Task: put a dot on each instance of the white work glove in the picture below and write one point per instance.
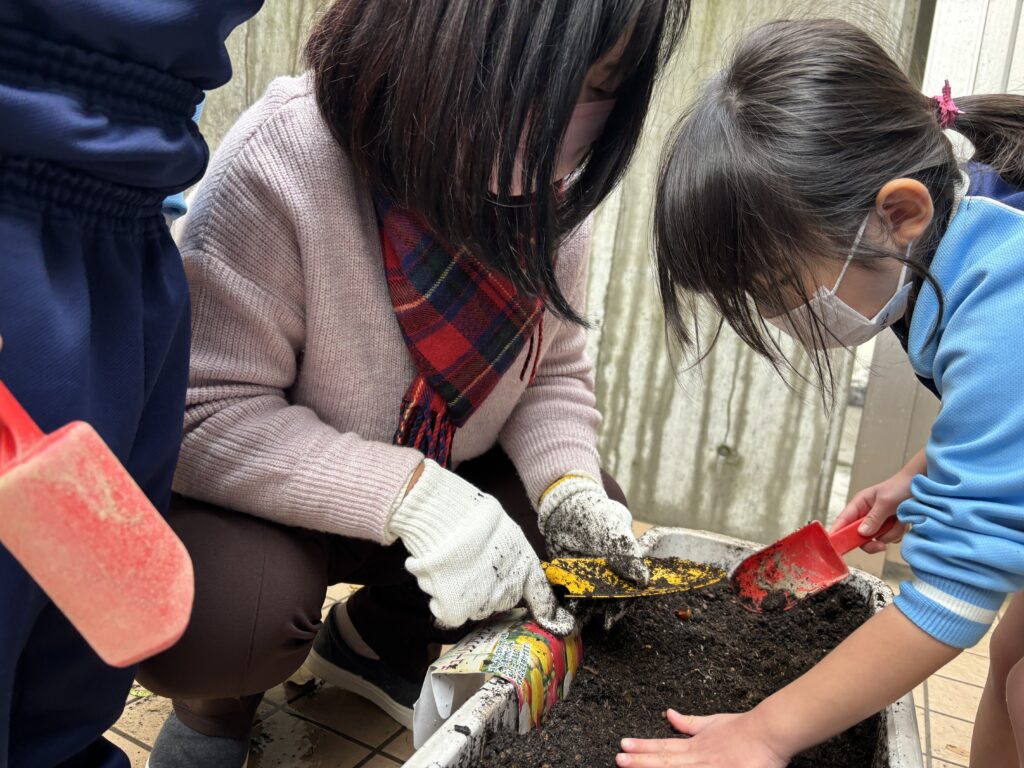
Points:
(468, 555)
(578, 519)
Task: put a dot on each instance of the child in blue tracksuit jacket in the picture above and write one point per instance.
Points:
(97, 99)
(812, 188)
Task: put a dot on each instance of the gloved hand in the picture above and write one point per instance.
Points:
(579, 520)
(468, 555)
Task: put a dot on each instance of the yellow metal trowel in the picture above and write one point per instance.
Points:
(591, 578)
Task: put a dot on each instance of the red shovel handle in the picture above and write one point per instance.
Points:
(17, 430)
(847, 539)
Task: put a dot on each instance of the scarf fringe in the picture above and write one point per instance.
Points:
(425, 424)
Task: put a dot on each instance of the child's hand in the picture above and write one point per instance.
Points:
(880, 502)
(718, 741)
(877, 504)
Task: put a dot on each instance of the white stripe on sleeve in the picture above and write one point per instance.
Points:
(960, 607)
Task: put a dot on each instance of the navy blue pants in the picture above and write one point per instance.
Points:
(94, 317)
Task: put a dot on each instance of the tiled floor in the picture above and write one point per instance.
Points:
(311, 726)
(320, 726)
(297, 726)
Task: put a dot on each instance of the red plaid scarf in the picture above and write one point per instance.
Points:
(463, 323)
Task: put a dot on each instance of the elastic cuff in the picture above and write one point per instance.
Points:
(574, 475)
(562, 490)
(389, 537)
(435, 508)
(956, 614)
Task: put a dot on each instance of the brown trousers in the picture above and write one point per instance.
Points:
(260, 587)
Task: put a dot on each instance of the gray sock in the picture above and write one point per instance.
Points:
(178, 746)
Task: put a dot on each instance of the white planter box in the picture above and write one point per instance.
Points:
(459, 742)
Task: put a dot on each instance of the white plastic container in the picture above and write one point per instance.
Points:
(459, 742)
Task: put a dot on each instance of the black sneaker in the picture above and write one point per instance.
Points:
(334, 662)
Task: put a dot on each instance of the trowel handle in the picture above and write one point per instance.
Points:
(847, 539)
(17, 430)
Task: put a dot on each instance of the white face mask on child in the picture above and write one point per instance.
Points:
(844, 325)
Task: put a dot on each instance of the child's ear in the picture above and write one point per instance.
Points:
(905, 205)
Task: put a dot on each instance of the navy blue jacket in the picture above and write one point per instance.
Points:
(109, 87)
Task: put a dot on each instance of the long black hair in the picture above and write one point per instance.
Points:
(780, 160)
(426, 96)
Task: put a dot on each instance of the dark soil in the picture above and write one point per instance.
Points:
(774, 602)
(700, 653)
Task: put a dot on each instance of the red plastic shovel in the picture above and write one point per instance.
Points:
(802, 564)
(78, 523)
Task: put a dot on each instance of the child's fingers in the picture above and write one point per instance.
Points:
(873, 520)
(856, 508)
(895, 533)
(655, 760)
(691, 725)
(654, 746)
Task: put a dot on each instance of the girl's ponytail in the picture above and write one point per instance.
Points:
(994, 124)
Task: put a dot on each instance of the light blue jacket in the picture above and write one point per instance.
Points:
(174, 206)
(966, 547)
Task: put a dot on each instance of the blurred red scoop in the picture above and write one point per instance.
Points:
(802, 564)
(78, 523)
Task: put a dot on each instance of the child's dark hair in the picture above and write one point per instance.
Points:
(426, 95)
(780, 160)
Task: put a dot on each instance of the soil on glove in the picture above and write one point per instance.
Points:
(699, 653)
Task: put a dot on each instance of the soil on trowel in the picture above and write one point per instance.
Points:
(699, 653)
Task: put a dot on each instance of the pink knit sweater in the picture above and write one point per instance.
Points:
(298, 364)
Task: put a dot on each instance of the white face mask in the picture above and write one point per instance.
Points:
(844, 325)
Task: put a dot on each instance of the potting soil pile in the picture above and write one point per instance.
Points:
(699, 653)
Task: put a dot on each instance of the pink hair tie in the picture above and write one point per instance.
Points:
(947, 108)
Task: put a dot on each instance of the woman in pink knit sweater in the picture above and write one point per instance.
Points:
(389, 384)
